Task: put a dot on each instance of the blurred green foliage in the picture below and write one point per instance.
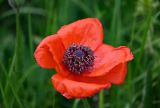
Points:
(24, 23)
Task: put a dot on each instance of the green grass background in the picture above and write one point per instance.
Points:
(24, 23)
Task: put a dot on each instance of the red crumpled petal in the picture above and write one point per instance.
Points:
(117, 74)
(44, 58)
(74, 89)
(87, 32)
(50, 52)
(107, 57)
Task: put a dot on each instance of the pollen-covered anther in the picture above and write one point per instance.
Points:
(78, 58)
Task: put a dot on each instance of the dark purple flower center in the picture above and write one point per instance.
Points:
(79, 53)
(78, 58)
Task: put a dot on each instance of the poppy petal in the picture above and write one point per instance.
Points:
(117, 74)
(47, 53)
(87, 32)
(74, 89)
(44, 58)
(107, 57)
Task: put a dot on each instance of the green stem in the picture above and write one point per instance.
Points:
(132, 31)
(30, 34)
(10, 73)
(18, 49)
(3, 96)
(85, 103)
(101, 99)
(75, 104)
(16, 95)
(16, 61)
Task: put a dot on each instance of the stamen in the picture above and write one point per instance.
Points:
(78, 58)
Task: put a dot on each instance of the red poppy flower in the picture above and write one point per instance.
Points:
(84, 64)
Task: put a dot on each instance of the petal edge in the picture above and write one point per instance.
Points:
(109, 57)
(73, 89)
(87, 31)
